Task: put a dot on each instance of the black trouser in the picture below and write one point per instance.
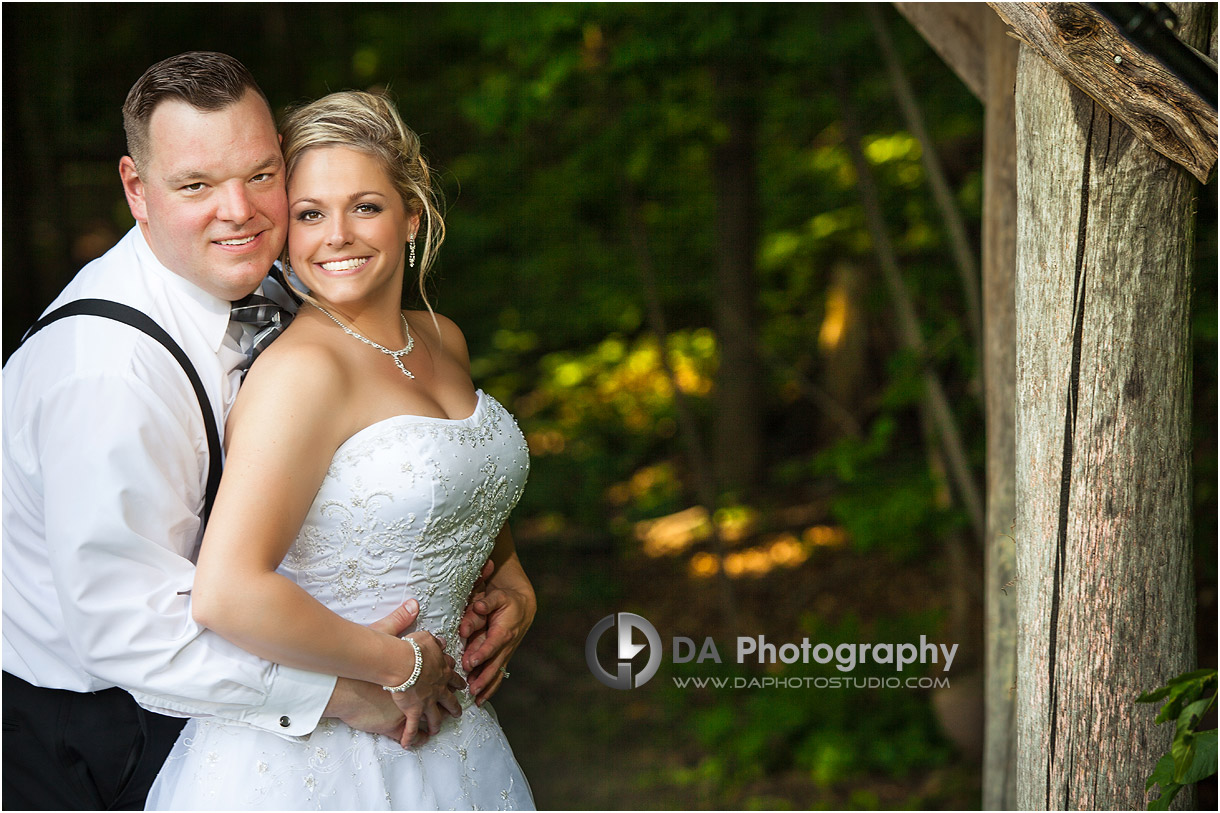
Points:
(79, 750)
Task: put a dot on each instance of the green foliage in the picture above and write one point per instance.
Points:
(835, 736)
(884, 495)
(595, 419)
(893, 508)
(1192, 756)
(558, 130)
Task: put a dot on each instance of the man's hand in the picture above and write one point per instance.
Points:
(367, 707)
(494, 624)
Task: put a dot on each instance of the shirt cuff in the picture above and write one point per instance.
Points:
(292, 708)
(295, 703)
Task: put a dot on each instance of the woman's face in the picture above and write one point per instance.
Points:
(348, 228)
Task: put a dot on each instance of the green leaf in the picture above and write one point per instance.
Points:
(1183, 689)
(1183, 751)
(1154, 695)
(1167, 793)
(1173, 772)
(1204, 763)
(1191, 715)
(1199, 675)
(1162, 773)
(1171, 710)
(1192, 756)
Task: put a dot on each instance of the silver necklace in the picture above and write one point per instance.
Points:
(394, 354)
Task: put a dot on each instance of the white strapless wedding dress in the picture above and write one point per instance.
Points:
(409, 508)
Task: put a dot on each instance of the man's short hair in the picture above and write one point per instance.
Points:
(206, 80)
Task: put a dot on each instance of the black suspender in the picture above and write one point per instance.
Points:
(141, 321)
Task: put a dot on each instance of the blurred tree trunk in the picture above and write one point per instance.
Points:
(942, 435)
(738, 444)
(934, 406)
(843, 342)
(1000, 380)
(1105, 592)
(705, 484)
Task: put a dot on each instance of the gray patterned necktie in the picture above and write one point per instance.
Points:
(267, 318)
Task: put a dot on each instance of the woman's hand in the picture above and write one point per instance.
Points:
(427, 702)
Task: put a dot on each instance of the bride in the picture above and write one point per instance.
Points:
(363, 467)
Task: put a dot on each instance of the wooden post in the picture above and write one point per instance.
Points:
(1105, 591)
(1000, 381)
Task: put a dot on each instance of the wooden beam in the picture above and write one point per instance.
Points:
(955, 31)
(1087, 50)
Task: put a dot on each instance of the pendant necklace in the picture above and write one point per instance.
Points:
(394, 354)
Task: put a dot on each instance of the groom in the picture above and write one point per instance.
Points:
(105, 466)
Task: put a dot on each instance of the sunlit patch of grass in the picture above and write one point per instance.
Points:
(825, 536)
(704, 565)
(671, 535)
(784, 550)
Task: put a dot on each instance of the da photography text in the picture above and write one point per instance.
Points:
(749, 649)
(846, 656)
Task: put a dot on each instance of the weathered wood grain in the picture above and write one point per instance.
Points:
(1105, 590)
(1134, 88)
(1000, 381)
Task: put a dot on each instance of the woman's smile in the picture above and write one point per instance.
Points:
(343, 267)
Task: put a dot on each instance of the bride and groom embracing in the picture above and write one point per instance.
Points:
(366, 483)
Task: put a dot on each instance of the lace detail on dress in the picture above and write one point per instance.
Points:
(409, 508)
(360, 550)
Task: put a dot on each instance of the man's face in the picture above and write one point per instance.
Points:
(211, 199)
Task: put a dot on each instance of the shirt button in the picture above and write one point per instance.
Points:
(285, 722)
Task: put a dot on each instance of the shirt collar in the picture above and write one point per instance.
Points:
(213, 313)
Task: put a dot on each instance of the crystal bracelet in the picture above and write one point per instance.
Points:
(419, 662)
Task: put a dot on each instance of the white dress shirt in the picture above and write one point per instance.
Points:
(105, 465)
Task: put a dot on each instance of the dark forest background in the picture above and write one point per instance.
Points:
(659, 256)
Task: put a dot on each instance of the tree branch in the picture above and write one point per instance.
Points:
(1087, 50)
(705, 485)
(935, 402)
(963, 252)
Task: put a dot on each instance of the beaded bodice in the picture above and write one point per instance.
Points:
(410, 508)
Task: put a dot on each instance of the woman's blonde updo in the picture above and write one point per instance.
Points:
(370, 123)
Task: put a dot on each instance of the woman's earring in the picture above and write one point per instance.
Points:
(411, 256)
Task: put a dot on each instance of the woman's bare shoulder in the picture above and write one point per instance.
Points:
(297, 356)
(296, 380)
(438, 326)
